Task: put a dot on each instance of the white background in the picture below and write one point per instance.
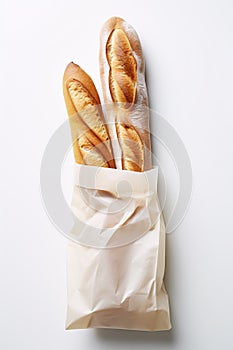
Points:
(188, 47)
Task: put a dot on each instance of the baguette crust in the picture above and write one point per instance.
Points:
(122, 73)
(123, 68)
(91, 142)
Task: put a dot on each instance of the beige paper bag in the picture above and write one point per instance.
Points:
(115, 271)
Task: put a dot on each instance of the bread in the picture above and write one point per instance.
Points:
(91, 142)
(122, 73)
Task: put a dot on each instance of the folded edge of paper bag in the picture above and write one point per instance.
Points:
(120, 287)
(112, 207)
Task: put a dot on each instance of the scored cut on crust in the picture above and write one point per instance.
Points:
(91, 141)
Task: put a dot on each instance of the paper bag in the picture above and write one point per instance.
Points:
(115, 264)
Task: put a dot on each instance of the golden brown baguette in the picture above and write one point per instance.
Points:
(91, 142)
(122, 73)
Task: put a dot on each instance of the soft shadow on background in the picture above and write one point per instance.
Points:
(124, 337)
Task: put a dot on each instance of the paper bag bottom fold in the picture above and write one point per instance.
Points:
(119, 288)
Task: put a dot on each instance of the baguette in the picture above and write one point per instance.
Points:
(122, 74)
(91, 142)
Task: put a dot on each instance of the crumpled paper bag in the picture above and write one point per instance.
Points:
(115, 263)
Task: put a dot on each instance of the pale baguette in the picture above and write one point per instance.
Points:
(122, 73)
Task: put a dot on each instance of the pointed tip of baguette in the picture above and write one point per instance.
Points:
(113, 22)
(71, 71)
(74, 71)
